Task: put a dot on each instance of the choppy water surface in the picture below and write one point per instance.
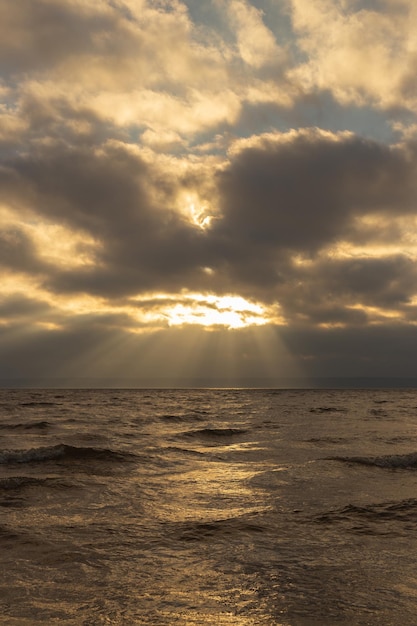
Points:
(243, 507)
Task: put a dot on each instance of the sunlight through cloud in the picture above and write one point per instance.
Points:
(206, 310)
(197, 212)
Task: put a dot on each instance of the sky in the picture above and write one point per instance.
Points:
(214, 189)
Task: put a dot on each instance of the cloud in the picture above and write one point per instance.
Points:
(91, 68)
(19, 307)
(377, 351)
(113, 197)
(301, 190)
(38, 37)
(277, 197)
(256, 43)
(349, 292)
(17, 251)
(360, 51)
(301, 214)
(155, 154)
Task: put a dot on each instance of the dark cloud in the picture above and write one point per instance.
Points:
(328, 290)
(17, 306)
(63, 121)
(121, 202)
(285, 196)
(385, 282)
(17, 251)
(39, 35)
(301, 194)
(380, 350)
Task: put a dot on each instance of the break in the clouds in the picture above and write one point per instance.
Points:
(220, 189)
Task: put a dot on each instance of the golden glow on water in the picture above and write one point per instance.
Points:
(206, 504)
(213, 490)
(198, 618)
(190, 496)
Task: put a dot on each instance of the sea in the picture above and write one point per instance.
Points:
(243, 507)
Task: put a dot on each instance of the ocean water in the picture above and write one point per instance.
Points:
(208, 507)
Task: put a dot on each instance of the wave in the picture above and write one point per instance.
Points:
(176, 449)
(329, 440)
(374, 518)
(8, 536)
(17, 483)
(390, 461)
(41, 425)
(214, 433)
(235, 526)
(191, 416)
(378, 412)
(62, 452)
(327, 409)
(13, 483)
(171, 417)
(39, 403)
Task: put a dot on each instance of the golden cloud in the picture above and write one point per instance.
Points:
(360, 55)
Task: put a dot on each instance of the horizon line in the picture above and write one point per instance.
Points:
(301, 382)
